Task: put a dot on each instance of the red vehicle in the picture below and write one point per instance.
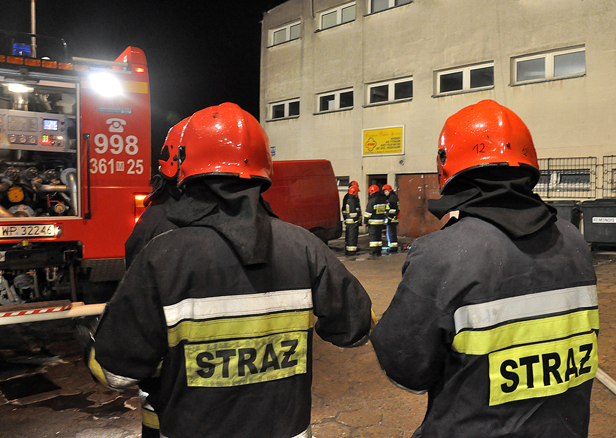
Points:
(305, 193)
(74, 170)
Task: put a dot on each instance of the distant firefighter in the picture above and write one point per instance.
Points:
(392, 218)
(374, 217)
(352, 219)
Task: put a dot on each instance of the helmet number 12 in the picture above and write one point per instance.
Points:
(479, 148)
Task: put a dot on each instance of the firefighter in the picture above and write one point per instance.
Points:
(392, 217)
(153, 222)
(164, 193)
(222, 308)
(352, 220)
(496, 314)
(374, 218)
(346, 196)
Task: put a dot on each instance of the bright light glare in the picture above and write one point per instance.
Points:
(105, 84)
(19, 88)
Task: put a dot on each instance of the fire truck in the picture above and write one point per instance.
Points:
(74, 170)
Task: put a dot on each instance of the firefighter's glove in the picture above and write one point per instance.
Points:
(85, 339)
(386, 221)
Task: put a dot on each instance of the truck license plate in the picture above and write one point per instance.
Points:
(25, 231)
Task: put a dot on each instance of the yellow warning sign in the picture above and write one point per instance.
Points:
(384, 141)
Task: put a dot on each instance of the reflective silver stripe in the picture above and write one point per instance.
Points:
(143, 398)
(118, 382)
(375, 222)
(238, 305)
(353, 214)
(476, 316)
(351, 248)
(349, 221)
(305, 434)
(376, 243)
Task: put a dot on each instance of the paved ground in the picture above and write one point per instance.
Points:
(45, 390)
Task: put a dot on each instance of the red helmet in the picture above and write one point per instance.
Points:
(353, 190)
(224, 140)
(388, 187)
(373, 189)
(168, 161)
(484, 134)
(353, 183)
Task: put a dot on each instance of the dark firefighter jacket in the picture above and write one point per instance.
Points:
(376, 209)
(344, 202)
(393, 208)
(154, 220)
(351, 210)
(222, 309)
(501, 332)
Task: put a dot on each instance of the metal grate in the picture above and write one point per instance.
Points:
(567, 178)
(609, 176)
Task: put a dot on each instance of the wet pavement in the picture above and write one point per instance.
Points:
(46, 391)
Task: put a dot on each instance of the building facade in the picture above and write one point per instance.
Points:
(368, 85)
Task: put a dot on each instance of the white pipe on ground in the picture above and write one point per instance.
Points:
(607, 381)
(77, 310)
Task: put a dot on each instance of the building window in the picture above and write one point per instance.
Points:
(549, 66)
(343, 182)
(390, 91)
(381, 5)
(335, 100)
(286, 33)
(340, 15)
(283, 110)
(469, 78)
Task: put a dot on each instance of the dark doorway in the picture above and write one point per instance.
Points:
(379, 180)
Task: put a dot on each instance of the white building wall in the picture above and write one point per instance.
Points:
(568, 118)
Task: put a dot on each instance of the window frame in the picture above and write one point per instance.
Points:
(336, 94)
(392, 4)
(287, 29)
(338, 10)
(391, 91)
(548, 58)
(466, 79)
(285, 104)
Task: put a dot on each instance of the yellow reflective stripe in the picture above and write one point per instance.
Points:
(245, 327)
(149, 419)
(246, 361)
(537, 330)
(542, 370)
(136, 87)
(96, 369)
(129, 86)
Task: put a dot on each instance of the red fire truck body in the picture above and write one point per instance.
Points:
(74, 170)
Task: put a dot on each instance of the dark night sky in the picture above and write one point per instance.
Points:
(199, 53)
